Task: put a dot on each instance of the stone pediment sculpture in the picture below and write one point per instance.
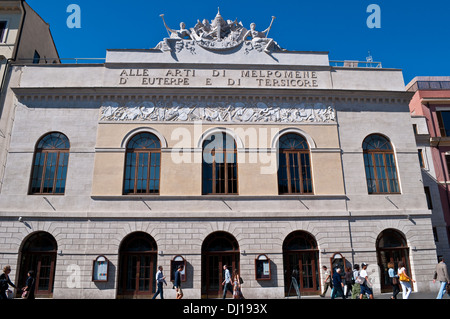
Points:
(218, 35)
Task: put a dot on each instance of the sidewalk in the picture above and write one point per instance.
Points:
(413, 295)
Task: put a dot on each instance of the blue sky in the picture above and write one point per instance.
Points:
(414, 35)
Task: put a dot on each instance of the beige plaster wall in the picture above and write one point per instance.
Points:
(181, 164)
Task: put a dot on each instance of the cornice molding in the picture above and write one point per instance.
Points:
(80, 94)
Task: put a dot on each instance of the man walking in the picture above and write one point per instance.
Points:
(365, 289)
(227, 283)
(177, 282)
(160, 279)
(338, 285)
(327, 281)
(441, 274)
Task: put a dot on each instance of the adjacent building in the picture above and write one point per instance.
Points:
(26, 38)
(430, 110)
(215, 148)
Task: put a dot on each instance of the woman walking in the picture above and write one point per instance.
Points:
(394, 280)
(348, 282)
(28, 290)
(237, 289)
(5, 282)
(405, 280)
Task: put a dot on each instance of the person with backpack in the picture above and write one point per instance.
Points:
(364, 282)
(356, 288)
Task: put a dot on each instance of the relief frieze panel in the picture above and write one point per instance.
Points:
(219, 112)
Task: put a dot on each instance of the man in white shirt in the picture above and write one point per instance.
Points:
(365, 289)
(227, 282)
(160, 279)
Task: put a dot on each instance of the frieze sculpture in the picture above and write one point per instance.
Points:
(218, 35)
(236, 112)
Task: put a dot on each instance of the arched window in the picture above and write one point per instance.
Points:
(51, 158)
(219, 166)
(294, 172)
(379, 162)
(142, 165)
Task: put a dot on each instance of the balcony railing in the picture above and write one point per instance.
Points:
(356, 64)
(62, 61)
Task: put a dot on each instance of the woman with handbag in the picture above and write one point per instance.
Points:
(394, 280)
(405, 280)
(28, 290)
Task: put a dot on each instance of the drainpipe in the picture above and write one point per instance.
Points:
(19, 37)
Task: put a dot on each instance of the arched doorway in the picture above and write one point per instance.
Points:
(38, 253)
(301, 257)
(391, 247)
(137, 266)
(218, 249)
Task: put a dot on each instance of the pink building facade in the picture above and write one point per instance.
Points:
(430, 105)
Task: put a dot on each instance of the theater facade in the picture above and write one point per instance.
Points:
(217, 147)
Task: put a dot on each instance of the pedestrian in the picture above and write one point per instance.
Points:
(405, 280)
(441, 274)
(327, 282)
(28, 290)
(338, 285)
(237, 288)
(226, 283)
(5, 282)
(348, 282)
(177, 282)
(394, 280)
(160, 280)
(356, 288)
(364, 282)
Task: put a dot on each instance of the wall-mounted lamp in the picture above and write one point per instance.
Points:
(161, 253)
(60, 252)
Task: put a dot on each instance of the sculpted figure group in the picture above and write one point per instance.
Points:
(220, 34)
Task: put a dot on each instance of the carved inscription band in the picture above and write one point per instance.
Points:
(286, 79)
